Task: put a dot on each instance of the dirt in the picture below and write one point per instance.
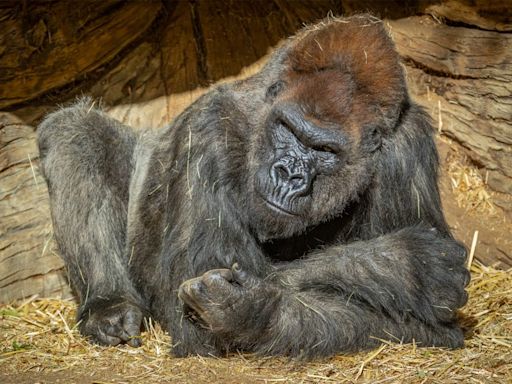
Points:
(494, 241)
(115, 374)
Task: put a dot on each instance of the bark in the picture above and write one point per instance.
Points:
(51, 45)
(466, 73)
(28, 262)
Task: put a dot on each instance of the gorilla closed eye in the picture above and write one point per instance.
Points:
(313, 137)
(325, 149)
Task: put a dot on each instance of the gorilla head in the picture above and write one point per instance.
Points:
(336, 95)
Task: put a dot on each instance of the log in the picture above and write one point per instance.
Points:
(466, 73)
(484, 14)
(65, 44)
(28, 261)
(203, 42)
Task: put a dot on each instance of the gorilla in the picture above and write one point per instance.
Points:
(295, 212)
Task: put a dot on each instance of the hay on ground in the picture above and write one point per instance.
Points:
(39, 343)
(469, 187)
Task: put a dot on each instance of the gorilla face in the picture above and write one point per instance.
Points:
(299, 152)
(309, 166)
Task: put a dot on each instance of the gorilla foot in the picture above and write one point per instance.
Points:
(112, 322)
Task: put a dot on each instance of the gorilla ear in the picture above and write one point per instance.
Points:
(371, 138)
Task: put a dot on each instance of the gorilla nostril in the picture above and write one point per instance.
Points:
(289, 181)
(296, 180)
(282, 172)
(279, 173)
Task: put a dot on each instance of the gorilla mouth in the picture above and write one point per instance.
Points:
(277, 208)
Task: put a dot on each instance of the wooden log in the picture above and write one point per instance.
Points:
(28, 262)
(42, 50)
(484, 14)
(204, 42)
(467, 73)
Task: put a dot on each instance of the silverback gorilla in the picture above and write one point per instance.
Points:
(295, 212)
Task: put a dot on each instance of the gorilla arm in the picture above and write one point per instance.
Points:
(401, 286)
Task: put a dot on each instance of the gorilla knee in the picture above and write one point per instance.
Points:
(59, 126)
(81, 138)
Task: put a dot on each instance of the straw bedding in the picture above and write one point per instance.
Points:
(40, 344)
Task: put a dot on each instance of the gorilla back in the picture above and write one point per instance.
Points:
(295, 212)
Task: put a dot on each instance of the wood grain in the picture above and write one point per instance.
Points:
(64, 41)
(468, 74)
(28, 261)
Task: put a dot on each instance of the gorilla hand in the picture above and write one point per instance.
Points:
(230, 302)
(111, 322)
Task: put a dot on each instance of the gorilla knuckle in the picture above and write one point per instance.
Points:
(111, 322)
(217, 277)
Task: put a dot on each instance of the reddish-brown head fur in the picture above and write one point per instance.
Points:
(346, 71)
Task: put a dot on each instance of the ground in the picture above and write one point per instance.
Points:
(41, 345)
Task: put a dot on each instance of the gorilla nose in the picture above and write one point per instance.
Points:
(296, 178)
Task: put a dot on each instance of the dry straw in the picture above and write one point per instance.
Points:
(40, 344)
(469, 187)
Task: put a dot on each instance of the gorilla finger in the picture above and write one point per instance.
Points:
(239, 275)
(134, 341)
(131, 325)
(112, 329)
(190, 293)
(190, 288)
(242, 277)
(117, 331)
(102, 338)
(467, 277)
(218, 274)
(217, 279)
(461, 299)
(194, 308)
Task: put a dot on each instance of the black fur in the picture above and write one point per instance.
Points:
(295, 212)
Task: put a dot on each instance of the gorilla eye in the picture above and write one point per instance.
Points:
(275, 89)
(325, 149)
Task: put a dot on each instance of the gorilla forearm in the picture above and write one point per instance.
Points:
(412, 272)
(312, 324)
(348, 297)
(341, 299)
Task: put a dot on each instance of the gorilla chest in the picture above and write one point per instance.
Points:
(295, 247)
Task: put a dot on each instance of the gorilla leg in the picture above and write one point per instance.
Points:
(87, 160)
